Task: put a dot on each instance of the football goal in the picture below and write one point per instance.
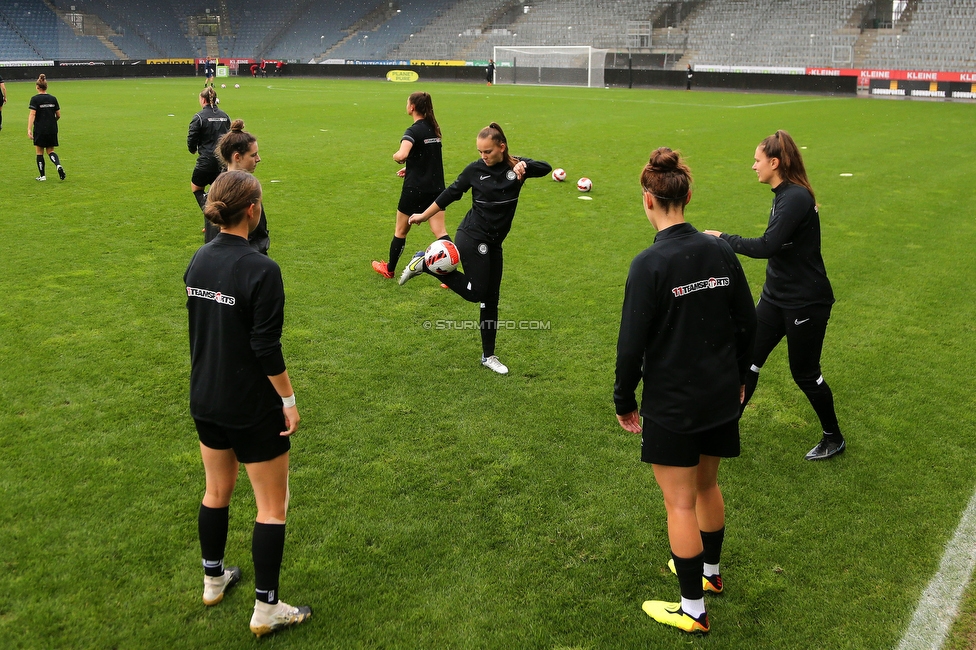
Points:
(567, 65)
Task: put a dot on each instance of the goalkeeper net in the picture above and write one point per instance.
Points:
(568, 65)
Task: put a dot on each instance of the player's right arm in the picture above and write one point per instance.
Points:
(193, 135)
(400, 156)
(30, 123)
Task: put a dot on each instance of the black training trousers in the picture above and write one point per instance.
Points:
(480, 282)
(804, 329)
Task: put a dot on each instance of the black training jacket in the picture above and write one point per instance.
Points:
(494, 196)
(795, 273)
(687, 330)
(236, 300)
(206, 127)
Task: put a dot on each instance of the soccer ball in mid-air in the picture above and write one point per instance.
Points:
(442, 257)
(223, 85)
(584, 184)
(237, 85)
(559, 174)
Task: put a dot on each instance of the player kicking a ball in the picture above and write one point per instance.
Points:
(686, 330)
(495, 181)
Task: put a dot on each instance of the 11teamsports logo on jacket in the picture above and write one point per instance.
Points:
(710, 283)
(207, 294)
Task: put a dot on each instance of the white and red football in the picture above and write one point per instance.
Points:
(559, 174)
(442, 257)
(584, 184)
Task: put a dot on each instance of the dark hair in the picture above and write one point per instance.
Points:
(237, 140)
(667, 178)
(229, 196)
(211, 96)
(42, 82)
(782, 147)
(495, 133)
(423, 104)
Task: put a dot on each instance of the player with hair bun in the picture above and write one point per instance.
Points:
(495, 181)
(42, 126)
(686, 330)
(423, 177)
(241, 397)
(206, 127)
(797, 297)
(238, 151)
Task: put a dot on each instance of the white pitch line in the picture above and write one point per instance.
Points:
(939, 604)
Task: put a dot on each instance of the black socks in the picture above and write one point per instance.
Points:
(40, 163)
(396, 249)
(212, 527)
(267, 548)
(689, 572)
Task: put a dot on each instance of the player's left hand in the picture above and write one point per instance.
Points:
(630, 422)
(403, 172)
(713, 233)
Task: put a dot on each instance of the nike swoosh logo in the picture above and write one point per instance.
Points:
(800, 322)
(484, 177)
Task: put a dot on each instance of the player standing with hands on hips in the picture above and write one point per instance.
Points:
(241, 397)
(797, 297)
(423, 177)
(686, 329)
(495, 181)
(42, 126)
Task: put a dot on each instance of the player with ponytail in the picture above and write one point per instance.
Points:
(241, 398)
(495, 181)
(42, 127)
(423, 177)
(206, 127)
(797, 297)
(686, 331)
(238, 151)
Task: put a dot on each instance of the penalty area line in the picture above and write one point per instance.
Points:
(939, 604)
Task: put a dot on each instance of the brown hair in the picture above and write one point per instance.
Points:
(237, 140)
(423, 104)
(42, 82)
(494, 132)
(782, 147)
(211, 96)
(230, 195)
(667, 178)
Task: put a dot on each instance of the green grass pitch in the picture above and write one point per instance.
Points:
(435, 504)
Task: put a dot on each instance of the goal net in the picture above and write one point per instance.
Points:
(568, 65)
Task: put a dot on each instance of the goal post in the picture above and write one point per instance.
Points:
(550, 65)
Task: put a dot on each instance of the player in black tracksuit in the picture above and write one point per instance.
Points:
(797, 297)
(238, 151)
(206, 127)
(495, 182)
(241, 397)
(42, 126)
(423, 177)
(686, 330)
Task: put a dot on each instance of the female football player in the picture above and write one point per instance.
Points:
(241, 398)
(42, 126)
(238, 151)
(495, 181)
(423, 177)
(206, 127)
(796, 298)
(686, 330)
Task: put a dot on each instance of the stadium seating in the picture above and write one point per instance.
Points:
(932, 35)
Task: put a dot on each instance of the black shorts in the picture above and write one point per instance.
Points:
(45, 140)
(662, 446)
(255, 444)
(414, 200)
(206, 171)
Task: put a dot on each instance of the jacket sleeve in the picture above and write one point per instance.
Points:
(635, 325)
(788, 211)
(268, 301)
(743, 312)
(456, 190)
(193, 136)
(536, 168)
